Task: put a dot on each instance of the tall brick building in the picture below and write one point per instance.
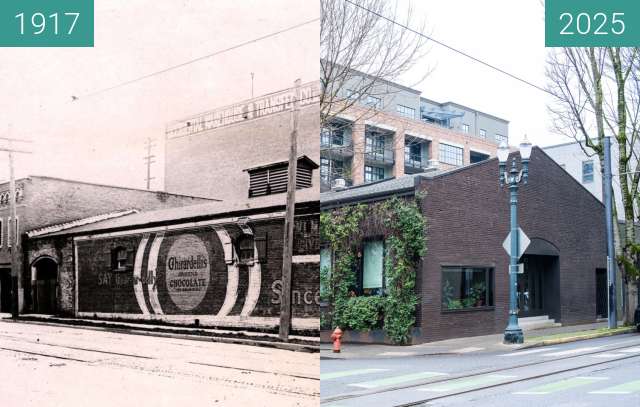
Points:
(462, 281)
(43, 201)
(208, 154)
(393, 131)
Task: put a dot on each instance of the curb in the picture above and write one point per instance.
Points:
(167, 333)
(568, 339)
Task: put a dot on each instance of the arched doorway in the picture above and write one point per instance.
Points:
(538, 286)
(44, 280)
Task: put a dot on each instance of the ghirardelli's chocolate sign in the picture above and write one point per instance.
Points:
(187, 271)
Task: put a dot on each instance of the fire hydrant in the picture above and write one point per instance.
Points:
(335, 337)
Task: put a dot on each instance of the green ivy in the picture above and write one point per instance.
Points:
(405, 229)
(363, 313)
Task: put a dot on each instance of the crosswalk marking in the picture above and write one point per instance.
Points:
(347, 373)
(624, 388)
(572, 351)
(390, 381)
(630, 350)
(527, 352)
(396, 354)
(606, 355)
(562, 385)
(465, 383)
(467, 350)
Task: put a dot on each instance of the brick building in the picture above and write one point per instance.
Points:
(393, 131)
(43, 201)
(207, 153)
(219, 263)
(462, 281)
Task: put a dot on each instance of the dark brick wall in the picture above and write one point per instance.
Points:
(49, 201)
(468, 219)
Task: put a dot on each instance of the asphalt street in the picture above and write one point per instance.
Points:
(597, 372)
(46, 365)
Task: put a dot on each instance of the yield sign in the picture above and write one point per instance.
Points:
(523, 241)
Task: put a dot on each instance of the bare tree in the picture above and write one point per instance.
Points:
(597, 93)
(362, 50)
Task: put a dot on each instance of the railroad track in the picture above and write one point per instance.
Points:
(485, 372)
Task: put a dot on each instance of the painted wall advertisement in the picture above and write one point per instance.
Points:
(195, 272)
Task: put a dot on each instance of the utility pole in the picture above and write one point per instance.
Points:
(608, 213)
(12, 227)
(285, 305)
(149, 160)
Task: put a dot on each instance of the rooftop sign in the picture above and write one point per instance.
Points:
(247, 110)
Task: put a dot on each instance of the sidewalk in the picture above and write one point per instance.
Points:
(485, 344)
(295, 343)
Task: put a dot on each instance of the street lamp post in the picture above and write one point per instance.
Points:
(513, 333)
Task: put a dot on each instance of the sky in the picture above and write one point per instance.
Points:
(505, 33)
(101, 138)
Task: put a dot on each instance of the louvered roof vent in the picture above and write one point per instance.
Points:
(272, 178)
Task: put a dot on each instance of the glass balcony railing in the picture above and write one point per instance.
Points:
(380, 155)
(415, 161)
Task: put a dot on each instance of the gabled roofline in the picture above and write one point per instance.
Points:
(302, 158)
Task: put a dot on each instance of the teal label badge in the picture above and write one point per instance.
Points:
(46, 23)
(592, 23)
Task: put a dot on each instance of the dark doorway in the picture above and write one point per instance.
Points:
(539, 286)
(601, 293)
(531, 286)
(45, 287)
(5, 290)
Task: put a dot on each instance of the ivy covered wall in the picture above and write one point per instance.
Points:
(402, 226)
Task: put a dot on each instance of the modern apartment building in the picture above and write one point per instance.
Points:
(392, 131)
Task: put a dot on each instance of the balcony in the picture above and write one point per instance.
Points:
(383, 156)
(416, 165)
(335, 149)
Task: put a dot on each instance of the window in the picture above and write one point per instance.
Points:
(372, 267)
(374, 102)
(374, 147)
(483, 133)
(406, 111)
(372, 174)
(330, 169)
(351, 94)
(467, 287)
(451, 154)
(121, 259)
(325, 169)
(412, 151)
(476, 157)
(500, 138)
(325, 270)
(465, 128)
(17, 231)
(587, 171)
(245, 248)
(331, 136)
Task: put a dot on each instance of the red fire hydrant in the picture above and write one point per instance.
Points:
(335, 337)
